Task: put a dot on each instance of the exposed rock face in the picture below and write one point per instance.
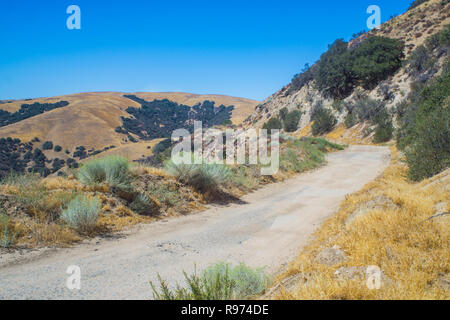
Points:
(331, 256)
(441, 207)
(362, 274)
(302, 100)
(378, 203)
(444, 281)
(351, 273)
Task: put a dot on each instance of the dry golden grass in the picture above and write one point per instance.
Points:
(33, 233)
(120, 219)
(34, 206)
(130, 151)
(341, 134)
(139, 170)
(355, 135)
(412, 252)
(305, 132)
(59, 183)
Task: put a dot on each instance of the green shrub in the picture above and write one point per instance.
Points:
(338, 105)
(283, 113)
(48, 145)
(341, 69)
(376, 59)
(366, 109)
(424, 129)
(444, 36)
(218, 282)
(143, 205)
(433, 41)
(291, 162)
(385, 129)
(20, 180)
(291, 121)
(429, 153)
(350, 121)
(273, 124)
(197, 288)
(247, 282)
(162, 146)
(31, 193)
(420, 61)
(58, 149)
(113, 170)
(82, 213)
(35, 199)
(165, 194)
(324, 122)
(307, 74)
(7, 234)
(333, 76)
(246, 177)
(323, 144)
(307, 153)
(203, 177)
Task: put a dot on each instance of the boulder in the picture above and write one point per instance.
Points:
(377, 203)
(331, 256)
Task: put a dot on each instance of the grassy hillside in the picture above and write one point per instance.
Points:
(90, 120)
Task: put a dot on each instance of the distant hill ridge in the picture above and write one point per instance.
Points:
(83, 125)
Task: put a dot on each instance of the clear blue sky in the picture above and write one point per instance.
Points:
(234, 47)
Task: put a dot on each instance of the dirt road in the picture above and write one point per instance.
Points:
(268, 230)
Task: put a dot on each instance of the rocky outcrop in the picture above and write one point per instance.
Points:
(331, 256)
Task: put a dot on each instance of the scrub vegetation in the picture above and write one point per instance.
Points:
(110, 194)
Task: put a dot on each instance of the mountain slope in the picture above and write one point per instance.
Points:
(413, 28)
(89, 124)
(90, 118)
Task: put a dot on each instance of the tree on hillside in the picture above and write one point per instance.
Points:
(334, 74)
(376, 59)
(48, 145)
(324, 121)
(272, 124)
(291, 121)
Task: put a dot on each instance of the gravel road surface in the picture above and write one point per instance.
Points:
(268, 229)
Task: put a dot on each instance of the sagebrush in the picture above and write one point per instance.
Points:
(82, 213)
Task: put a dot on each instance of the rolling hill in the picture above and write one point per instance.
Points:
(90, 121)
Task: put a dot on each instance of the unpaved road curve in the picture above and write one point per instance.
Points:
(269, 230)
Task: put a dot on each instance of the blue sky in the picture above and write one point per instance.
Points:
(240, 48)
